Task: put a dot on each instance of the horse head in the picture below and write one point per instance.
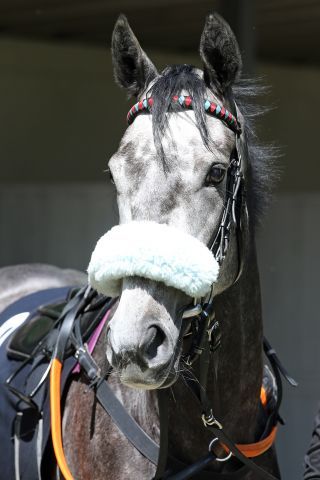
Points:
(173, 173)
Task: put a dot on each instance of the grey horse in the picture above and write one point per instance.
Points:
(172, 168)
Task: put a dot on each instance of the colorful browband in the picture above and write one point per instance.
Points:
(212, 108)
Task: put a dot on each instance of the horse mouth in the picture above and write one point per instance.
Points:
(151, 379)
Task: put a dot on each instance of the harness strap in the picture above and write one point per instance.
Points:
(242, 455)
(71, 311)
(149, 449)
(55, 395)
(132, 430)
(134, 433)
(252, 450)
(39, 446)
(163, 404)
(17, 429)
(126, 424)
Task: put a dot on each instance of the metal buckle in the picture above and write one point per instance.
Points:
(192, 311)
(218, 459)
(88, 363)
(210, 420)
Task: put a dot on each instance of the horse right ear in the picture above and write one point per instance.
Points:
(220, 54)
(132, 68)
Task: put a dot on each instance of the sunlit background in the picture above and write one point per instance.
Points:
(61, 118)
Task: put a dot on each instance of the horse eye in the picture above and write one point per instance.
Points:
(216, 175)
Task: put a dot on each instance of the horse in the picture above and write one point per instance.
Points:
(189, 162)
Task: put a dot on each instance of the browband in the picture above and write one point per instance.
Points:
(185, 102)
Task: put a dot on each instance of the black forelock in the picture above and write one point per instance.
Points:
(263, 170)
(173, 81)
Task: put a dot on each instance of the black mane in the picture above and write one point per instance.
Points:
(262, 169)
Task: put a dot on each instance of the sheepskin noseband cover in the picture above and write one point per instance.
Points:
(155, 251)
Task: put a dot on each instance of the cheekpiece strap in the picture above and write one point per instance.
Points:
(186, 103)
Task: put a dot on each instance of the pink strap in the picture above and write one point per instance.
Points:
(94, 338)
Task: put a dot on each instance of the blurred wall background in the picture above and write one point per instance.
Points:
(62, 117)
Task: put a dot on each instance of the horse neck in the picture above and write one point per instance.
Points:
(235, 393)
(239, 370)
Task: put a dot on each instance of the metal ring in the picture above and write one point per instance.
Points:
(225, 459)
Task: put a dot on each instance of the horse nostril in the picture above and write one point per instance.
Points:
(154, 338)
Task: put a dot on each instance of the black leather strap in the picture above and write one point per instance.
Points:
(70, 313)
(148, 447)
(196, 470)
(163, 404)
(126, 424)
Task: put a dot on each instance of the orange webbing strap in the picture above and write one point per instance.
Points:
(263, 397)
(55, 394)
(252, 450)
(249, 450)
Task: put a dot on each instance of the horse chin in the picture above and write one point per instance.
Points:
(133, 377)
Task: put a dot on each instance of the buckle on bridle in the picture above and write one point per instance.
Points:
(211, 421)
(87, 362)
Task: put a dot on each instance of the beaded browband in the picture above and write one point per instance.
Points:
(212, 108)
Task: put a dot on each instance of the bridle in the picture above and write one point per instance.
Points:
(207, 335)
(234, 185)
(205, 339)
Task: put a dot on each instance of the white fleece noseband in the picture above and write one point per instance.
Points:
(155, 251)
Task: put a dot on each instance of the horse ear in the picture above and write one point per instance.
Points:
(132, 68)
(220, 54)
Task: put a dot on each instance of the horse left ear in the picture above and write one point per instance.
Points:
(220, 54)
(132, 68)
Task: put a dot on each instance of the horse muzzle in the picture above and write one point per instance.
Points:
(142, 357)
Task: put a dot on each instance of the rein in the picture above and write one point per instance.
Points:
(205, 338)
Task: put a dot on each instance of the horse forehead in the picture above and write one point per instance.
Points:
(182, 143)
